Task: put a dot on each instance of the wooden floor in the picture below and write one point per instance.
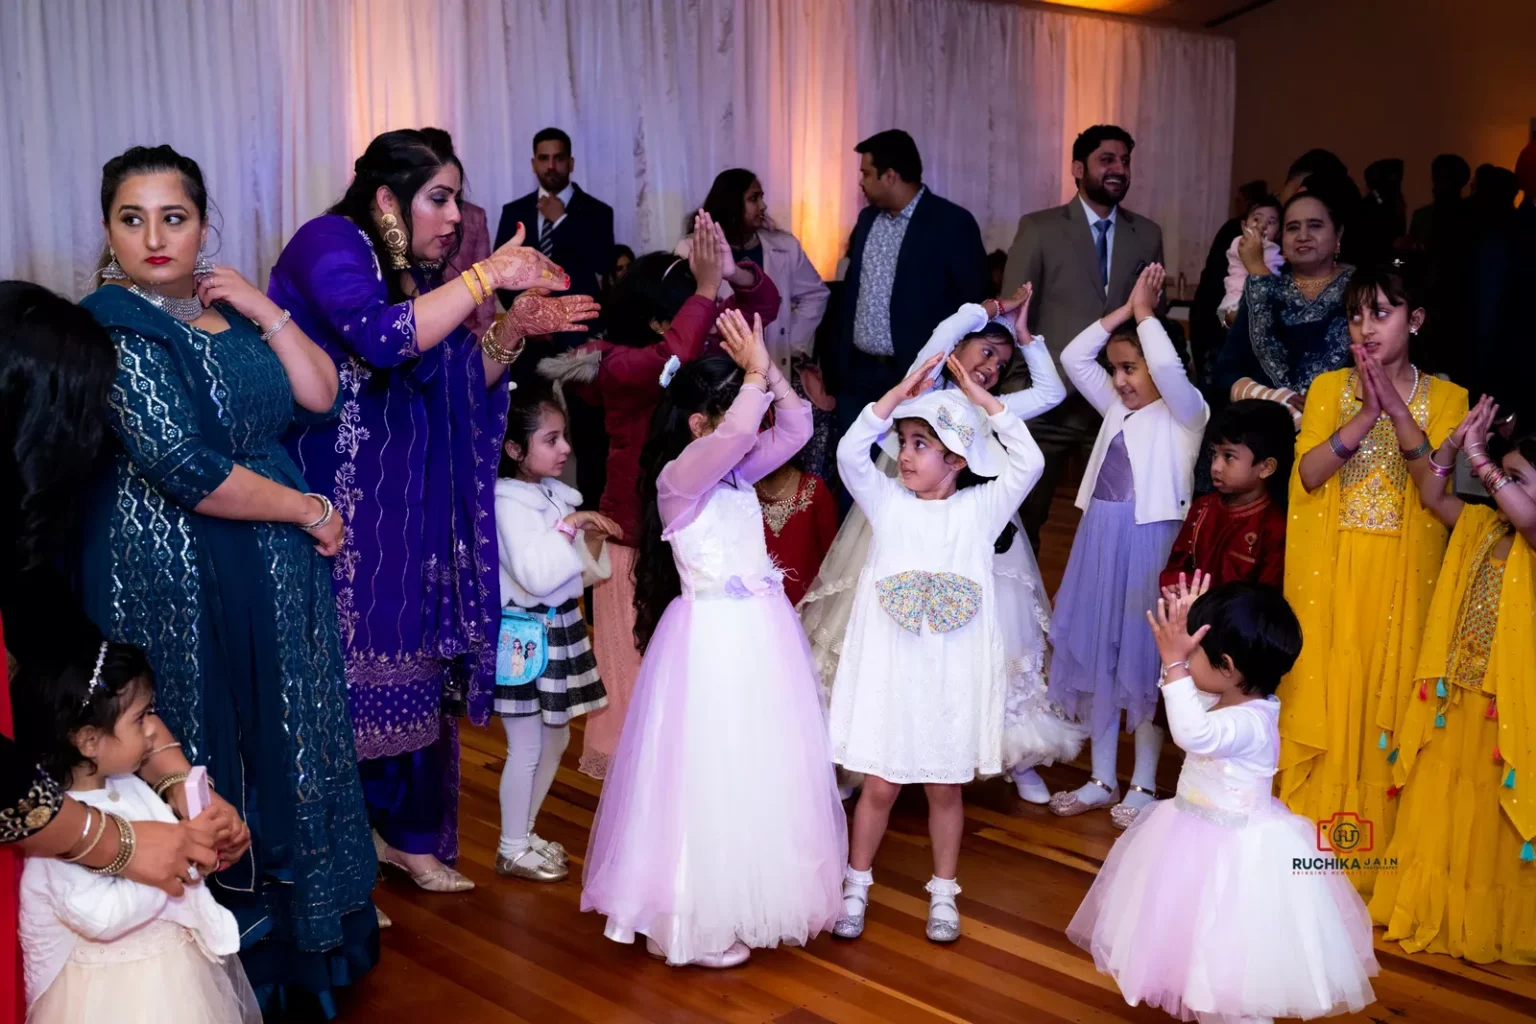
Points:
(518, 951)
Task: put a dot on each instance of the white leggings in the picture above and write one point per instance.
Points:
(533, 756)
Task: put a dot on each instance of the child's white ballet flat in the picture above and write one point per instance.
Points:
(1031, 787)
(735, 955)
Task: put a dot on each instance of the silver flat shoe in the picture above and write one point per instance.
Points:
(851, 926)
(551, 851)
(546, 869)
(944, 891)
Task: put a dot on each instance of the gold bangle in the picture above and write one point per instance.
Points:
(125, 846)
(101, 830)
(161, 747)
(493, 348)
(485, 279)
(164, 785)
(474, 287)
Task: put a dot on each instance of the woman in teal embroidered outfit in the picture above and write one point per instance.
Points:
(202, 546)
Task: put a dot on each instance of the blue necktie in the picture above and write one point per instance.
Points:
(547, 240)
(1102, 227)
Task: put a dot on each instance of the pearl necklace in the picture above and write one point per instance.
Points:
(185, 310)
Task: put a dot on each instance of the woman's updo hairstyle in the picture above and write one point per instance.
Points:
(401, 161)
(149, 160)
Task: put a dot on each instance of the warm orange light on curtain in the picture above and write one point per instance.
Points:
(1113, 6)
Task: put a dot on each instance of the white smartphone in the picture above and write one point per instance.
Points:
(197, 791)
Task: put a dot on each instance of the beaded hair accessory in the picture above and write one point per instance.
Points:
(96, 683)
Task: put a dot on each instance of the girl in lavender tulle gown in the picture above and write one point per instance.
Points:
(679, 852)
(1216, 905)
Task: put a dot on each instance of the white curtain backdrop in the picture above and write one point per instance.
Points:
(276, 98)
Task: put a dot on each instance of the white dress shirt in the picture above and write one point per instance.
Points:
(564, 195)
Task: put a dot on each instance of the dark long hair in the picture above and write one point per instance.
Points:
(401, 161)
(56, 370)
(725, 202)
(150, 160)
(709, 386)
(523, 415)
(655, 288)
(53, 704)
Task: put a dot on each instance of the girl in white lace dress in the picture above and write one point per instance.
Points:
(920, 688)
(985, 338)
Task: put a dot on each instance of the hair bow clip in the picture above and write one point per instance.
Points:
(96, 684)
(670, 370)
(965, 433)
(1397, 262)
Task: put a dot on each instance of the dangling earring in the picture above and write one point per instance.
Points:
(113, 271)
(203, 267)
(394, 241)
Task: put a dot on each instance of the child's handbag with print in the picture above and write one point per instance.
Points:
(522, 648)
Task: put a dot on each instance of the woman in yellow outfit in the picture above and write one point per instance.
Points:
(1361, 557)
(1466, 871)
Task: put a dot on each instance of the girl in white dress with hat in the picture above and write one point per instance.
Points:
(920, 690)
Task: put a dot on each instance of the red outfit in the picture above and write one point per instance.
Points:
(799, 531)
(1244, 543)
(628, 388)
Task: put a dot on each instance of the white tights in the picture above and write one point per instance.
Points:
(533, 756)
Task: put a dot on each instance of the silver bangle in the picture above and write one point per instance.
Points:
(325, 516)
(282, 322)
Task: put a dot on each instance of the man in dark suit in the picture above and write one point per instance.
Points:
(1082, 259)
(576, 231)
(914, 259)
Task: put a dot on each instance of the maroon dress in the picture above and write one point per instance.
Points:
(799, 530)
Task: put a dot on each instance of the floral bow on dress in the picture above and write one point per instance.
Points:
(946, 600)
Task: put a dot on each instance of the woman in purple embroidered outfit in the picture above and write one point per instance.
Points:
(411, 464)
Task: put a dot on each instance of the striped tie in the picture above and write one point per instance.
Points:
(547, 239)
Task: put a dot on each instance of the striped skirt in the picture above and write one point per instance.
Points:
(570, 685)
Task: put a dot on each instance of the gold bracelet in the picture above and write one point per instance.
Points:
(164, 785)
(100, 831)
(163, 746)
(125, 846)
(495, 349)
(485, 279)
(474, 287)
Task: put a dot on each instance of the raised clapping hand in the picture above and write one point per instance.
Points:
(1018, 305)
(915, 383)
(742, 343)
(1476, 428)
(515, 267)
(1147, 292)
(705, 258)
(974, 392)
(1170, 622)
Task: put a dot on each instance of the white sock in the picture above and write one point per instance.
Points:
(1105, 749)
(1149, 747)
(856, 890)
(551, 748)
(941, 899)
(524, 747)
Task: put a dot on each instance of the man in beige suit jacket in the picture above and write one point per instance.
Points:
(1082, 259)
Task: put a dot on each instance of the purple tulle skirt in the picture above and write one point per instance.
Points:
(1196, 917)
(719, 819)
(1104, 661)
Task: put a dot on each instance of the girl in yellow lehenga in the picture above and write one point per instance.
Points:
(1361, 557)
(1466, 872)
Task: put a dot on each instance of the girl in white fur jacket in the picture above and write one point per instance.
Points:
(546, 673)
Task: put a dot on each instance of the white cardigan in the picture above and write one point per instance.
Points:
(539, 565)
(1163, 439)
(63, 903)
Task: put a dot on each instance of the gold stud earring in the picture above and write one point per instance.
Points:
(394, 241)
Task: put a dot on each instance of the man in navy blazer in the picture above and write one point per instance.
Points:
(568, 225)
(914, 259)
(576, 231)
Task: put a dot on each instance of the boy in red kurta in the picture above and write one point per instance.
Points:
(1237, 533)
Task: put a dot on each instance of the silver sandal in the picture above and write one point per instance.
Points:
(943, 891)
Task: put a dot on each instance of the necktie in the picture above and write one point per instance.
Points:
(1102, 228)
(547, 239)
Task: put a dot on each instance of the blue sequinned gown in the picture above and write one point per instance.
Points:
(240, 625)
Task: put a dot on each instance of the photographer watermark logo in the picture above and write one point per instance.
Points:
(1345, 842)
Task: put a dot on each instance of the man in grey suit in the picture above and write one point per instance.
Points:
(1083, 259)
